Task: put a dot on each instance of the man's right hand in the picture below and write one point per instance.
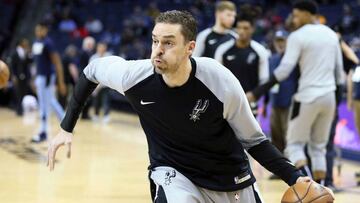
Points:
(62, 138)
(62, 88)
(250, 96)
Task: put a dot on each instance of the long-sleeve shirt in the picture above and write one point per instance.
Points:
(200, 128)
(316, 49)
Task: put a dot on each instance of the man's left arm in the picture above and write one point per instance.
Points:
(287, 65)
(238, 114)
(55, 59)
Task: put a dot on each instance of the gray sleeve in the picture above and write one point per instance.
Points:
(228, 90)
(238, 114)
(200, 42)
(117, 73)
(290, 59)
(220, 50)
(263, 61)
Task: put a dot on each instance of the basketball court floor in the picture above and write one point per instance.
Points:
(108, 164)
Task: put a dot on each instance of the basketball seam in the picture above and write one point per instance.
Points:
(308, 189)
(292, 187)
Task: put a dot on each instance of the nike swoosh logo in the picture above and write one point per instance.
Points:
(212, 41)
(146, 103)
(231, 57)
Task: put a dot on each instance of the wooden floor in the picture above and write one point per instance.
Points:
(108, 165)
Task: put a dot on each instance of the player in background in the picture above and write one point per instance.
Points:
(20, 72)
(46, 57)
(281, 94)
(247, 59)
(209, 39)
(316, 49)
(101, 95)
(195, 116)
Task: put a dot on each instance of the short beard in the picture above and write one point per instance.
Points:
(158, 70)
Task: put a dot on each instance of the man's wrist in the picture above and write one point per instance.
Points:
(294, 177)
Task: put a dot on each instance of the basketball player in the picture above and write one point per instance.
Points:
(20, 76)
(281, 94)
(245, 58)
(209, 39)
(351, 66)
(45, 57)
(316, 49)
(101, 93)
(195, 116)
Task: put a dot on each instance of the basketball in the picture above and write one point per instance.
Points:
(4, 74)
(308, 192)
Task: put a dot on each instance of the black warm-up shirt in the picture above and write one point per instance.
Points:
(201, 128)
(207, 41)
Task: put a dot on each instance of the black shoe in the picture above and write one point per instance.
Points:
(39, 138)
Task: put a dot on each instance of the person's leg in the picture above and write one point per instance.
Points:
(276, 129)
(171, 186)
(40, 83)
(320, 135)
(284, 119)
(106, 101)
(20, 93)
(249, 194)
(301, 117)
(59, 111)
(106, 105)
(330, 152)
(356, 104)
(25, 89)
(97, 104)
(85, 112)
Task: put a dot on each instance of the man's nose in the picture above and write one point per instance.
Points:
(159, 50)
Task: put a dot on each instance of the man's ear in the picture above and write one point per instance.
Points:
(191, 47)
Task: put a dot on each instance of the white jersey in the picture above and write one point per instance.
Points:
(316, 49)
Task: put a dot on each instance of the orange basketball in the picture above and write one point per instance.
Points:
(308, 192)
(4, 74)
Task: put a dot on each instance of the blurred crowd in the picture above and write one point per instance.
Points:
(128, 36)
(86, 29)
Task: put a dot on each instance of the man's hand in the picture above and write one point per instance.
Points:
(308, 179)
(62, 138)
(264, 111)
(250, 96)
(303, 179)
(62, 88)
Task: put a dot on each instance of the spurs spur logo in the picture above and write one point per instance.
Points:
(200, 107)
(168, 176)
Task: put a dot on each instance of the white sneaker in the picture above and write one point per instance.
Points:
(95, 118)
(106, 119)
